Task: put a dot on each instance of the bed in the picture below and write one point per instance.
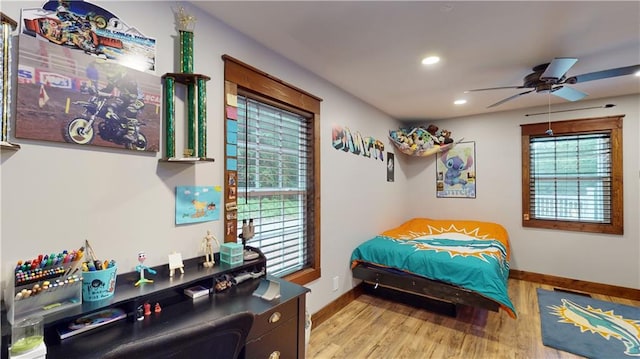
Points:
(455, 261)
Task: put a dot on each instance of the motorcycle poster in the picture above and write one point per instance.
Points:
(80, 26)
(83, 79)
(86, 77)
(74, 98)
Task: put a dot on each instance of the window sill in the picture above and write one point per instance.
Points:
(304, 276)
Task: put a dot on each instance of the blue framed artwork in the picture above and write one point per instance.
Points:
(197, 204)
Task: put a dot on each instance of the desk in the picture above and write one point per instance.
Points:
(286, 335)
(279, 325)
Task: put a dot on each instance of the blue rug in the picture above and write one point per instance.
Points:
(589, 327)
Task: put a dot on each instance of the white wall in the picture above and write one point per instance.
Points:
(54, 195)
(601, 258)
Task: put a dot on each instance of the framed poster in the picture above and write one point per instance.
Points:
(390, 167)
(85, 77)
(456, 171)
(84, 100)
(197, 204)
(84, 28)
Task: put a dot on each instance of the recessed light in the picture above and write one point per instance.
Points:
(459, 102)
(446, 8)
(430, 60)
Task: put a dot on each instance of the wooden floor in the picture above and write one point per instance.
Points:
(371, 327)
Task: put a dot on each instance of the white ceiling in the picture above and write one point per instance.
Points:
(373, 49)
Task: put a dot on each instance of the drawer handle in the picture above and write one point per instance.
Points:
(274, 318)
(274, 355)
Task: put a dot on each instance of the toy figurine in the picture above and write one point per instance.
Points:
(141, 268)
(147, 308)
(157, 308)
(223, 282)
(207, 246)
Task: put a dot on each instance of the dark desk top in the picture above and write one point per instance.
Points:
(127, 293)
(183, 313)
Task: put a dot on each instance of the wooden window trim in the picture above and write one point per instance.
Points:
(242, 77)
(610, 123)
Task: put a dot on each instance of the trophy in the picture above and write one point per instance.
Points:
(196, 123)
(8, 25)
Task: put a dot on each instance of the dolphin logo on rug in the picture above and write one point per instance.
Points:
(607, 324)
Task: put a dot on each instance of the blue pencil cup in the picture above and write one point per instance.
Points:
(98, 285)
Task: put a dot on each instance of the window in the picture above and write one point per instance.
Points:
(274, 154)
(573, 179)
(278, 170)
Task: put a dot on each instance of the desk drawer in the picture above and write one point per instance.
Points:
(280, 343)
(273, 318)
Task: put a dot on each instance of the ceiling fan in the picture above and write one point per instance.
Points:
(552, 78)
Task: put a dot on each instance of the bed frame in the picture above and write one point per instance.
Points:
(404, 282)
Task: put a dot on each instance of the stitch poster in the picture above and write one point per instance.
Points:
(456, 172)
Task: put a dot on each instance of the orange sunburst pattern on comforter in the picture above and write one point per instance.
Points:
(419, 227)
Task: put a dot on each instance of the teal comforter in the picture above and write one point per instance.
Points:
(473, 262)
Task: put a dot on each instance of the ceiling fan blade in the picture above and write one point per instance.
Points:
(497, 88)
(558, 68)
(620, 71)
(568, 93)
(510, 98)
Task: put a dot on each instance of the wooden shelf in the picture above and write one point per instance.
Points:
(7, 20)
(186, 79)
(186, 160)
(9, 146)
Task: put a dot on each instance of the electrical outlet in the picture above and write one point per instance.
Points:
(336, 283)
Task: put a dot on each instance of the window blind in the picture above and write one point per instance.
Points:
(570, 177)
(275, 183)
